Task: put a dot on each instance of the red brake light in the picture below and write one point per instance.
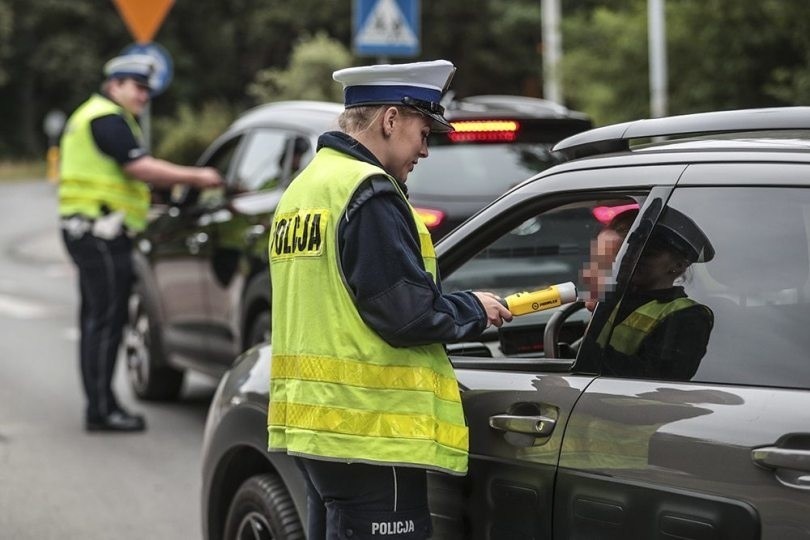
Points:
(604, 214)
(484, 130)
(431, 218)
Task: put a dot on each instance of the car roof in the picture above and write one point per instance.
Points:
(314, 116)
(752, 129)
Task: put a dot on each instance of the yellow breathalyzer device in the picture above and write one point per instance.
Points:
(531, 302)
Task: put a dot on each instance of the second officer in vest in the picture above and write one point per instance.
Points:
(103, 200)
(361, 388)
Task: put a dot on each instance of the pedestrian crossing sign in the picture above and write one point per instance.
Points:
(386, 27)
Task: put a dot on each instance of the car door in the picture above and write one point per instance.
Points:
(177, 244)
(723, 452)
(517, 402)
(238, 234)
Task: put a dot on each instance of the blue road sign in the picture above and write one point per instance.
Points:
(164, 67)
(386, 27)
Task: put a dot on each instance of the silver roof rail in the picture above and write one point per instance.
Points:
(616, 138)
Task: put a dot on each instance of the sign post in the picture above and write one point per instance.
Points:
(143, 18)
(386, 28)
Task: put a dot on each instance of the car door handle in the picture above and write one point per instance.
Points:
(539, 426)
(773, 457)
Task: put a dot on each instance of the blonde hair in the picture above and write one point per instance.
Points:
(358, 119)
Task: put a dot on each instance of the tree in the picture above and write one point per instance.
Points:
(721, 55)
(309, 75)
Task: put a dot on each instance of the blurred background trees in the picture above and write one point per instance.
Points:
(230, 56)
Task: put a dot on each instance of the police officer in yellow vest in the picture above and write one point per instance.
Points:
(361, 389)
(103, 200)
(656, 331)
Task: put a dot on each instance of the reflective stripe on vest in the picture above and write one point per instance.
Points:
(628, 334)
(338, 390)
(90, 178)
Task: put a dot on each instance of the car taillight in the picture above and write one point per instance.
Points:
(484, 130)
(604, 214)
(431, 218)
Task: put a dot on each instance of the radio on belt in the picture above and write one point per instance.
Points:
(531, 302)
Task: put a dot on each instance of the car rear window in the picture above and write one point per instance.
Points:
(475, 170)
(476, 164)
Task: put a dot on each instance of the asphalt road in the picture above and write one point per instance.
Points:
(56, 481)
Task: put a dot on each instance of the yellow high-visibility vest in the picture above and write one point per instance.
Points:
(89, 178)
(338, 391)
(628, 334)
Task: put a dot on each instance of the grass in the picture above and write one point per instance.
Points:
(22, 170)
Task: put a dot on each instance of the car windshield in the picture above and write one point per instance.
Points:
(476, 170)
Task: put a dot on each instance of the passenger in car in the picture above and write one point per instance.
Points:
(657, 331)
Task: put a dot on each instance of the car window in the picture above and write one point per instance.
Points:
(744, 303)
(262, 161)
(549, 248)
(475, 170)
(221, 159)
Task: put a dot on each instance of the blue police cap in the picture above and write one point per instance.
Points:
(138, 67)
(419, 85)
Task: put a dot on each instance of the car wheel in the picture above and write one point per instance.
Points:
(149, 378)
(259, 331)
(262, 510)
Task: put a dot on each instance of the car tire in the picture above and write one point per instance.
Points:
(262, 509)
(148, 375)
(259, 330)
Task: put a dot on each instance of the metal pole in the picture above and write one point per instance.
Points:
(552, 50)
(658, 57)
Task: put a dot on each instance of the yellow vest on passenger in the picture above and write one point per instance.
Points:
(89, 178)
(338, 391)
(628, 334)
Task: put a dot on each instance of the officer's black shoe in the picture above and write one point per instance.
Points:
(117, 421)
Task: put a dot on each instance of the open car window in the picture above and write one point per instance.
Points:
(548, 247)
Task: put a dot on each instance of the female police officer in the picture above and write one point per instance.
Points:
(361, 387)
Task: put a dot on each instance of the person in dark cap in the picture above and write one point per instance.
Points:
(105, 178)
(657, 331)
(361, 390)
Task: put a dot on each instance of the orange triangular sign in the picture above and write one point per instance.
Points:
(143, 17)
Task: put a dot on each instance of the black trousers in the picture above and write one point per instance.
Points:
(357, 501)
(105, 282)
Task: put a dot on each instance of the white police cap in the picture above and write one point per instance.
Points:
(419, 85)
(139, 67)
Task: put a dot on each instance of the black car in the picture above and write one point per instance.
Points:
(561, 445)
(202, 292)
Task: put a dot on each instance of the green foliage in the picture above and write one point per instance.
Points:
(6, 25)
(309, 75)
(720, 55)
(183, 138)
(605, 62)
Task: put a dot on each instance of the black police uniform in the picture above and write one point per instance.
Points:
(673, 350)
